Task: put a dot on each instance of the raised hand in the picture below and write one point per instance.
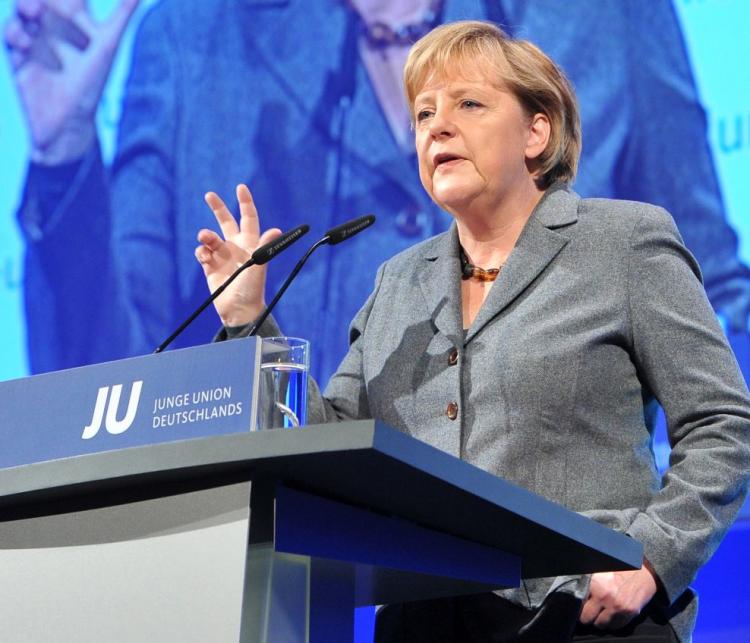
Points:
(61, 58)
(221, 255)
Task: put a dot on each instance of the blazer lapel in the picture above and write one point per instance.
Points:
(537, 246)
(438, 277)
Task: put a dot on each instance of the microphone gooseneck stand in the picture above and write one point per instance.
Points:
(262, 255)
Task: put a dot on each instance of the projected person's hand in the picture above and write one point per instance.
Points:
(221, 255)
(61, 58)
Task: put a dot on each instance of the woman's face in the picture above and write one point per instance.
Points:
(474, 141)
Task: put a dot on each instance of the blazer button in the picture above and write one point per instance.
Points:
(452, 411)
(453, 357)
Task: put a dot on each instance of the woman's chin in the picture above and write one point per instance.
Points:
(454, 200)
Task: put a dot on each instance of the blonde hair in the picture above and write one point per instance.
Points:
(521, 67)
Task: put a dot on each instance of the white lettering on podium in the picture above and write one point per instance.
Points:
(96, 421)
(111, 423)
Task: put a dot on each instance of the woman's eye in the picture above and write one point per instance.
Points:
(470, 103)
(422, 115)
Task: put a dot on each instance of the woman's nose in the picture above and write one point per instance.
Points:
(441, 124)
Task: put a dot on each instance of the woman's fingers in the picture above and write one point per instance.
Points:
(224, 217)
(268, 236)
(216, 253)
(210, 250)
(249, 223)
(211, 242)
(223, 253)
(204, 256)
(210, 239)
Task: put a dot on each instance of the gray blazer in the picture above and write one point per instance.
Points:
(598, 316)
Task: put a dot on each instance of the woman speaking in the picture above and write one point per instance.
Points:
(535, 340)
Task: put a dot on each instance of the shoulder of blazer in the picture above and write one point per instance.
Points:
(619, 218)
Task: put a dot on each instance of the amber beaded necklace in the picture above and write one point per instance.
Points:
(470, 271)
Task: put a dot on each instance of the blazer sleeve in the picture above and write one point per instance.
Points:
(345, 397)
(683, 358)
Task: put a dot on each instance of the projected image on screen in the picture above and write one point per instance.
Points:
(305, 108)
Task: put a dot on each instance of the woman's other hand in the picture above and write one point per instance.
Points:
(616, 598)
(244, 299)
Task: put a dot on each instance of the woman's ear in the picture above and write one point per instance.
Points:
(539, 133)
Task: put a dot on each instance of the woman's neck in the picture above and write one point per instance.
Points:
(489, 237)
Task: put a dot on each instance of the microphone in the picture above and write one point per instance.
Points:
(262, 255)
(266, 252)
(331, 238)
(349, 229)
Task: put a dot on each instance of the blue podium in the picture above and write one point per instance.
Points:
(167, 518)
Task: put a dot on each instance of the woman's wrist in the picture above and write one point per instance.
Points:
(239, 318)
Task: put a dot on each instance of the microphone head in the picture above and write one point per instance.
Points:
(268, 251)
(348, 229)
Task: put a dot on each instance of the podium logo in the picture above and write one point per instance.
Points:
(111, 423)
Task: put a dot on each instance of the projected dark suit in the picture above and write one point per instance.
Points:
(274, 94)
